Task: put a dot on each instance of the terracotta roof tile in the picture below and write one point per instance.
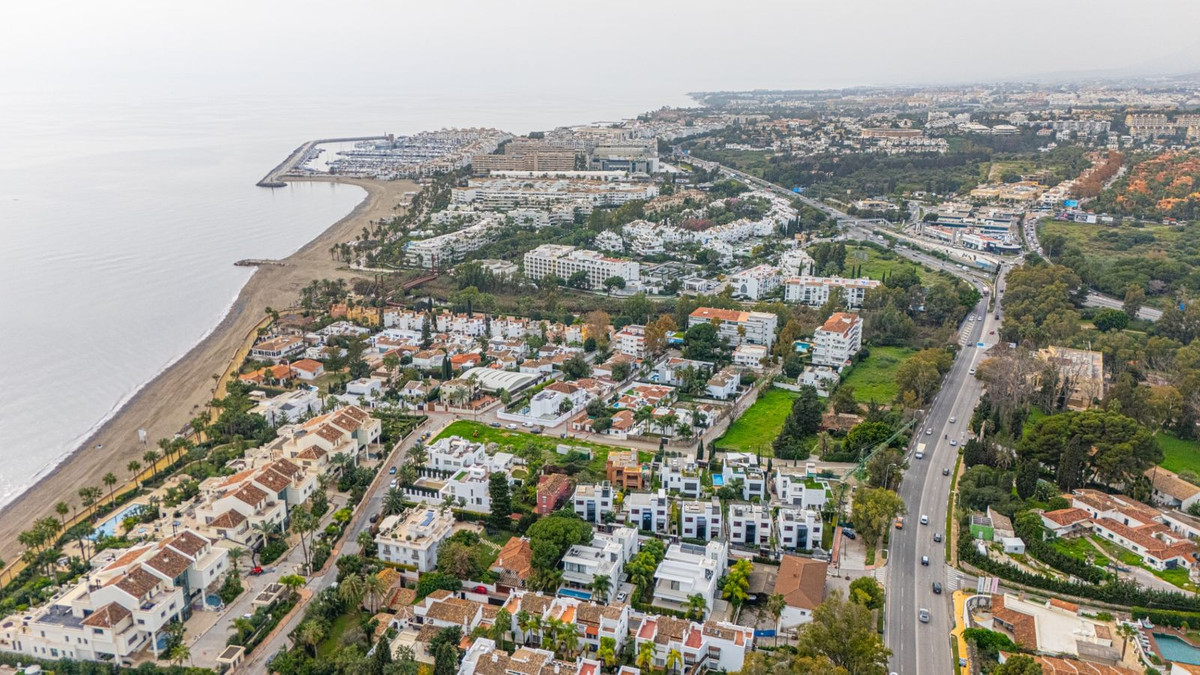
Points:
(107, 616)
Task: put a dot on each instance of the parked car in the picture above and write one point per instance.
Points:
(953, 442)
(256, 570)
(495, 425)
(481, 589)
(510, 426)
(392, 471)
(849, 533)
(374, 518)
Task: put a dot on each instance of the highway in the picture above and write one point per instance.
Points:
(924, 647)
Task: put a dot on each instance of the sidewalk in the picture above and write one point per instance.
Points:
(960, 599)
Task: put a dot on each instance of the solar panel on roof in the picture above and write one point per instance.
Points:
(428, 518)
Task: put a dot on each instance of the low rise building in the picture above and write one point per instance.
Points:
(801, 582)
(750, 525)
(680, 475)
(701, 519)
(1080, 372)
(756, 282)
(798, 529)
(605, 556)
(815, 291)
(648, 511)
(564, 261)
(750, 356)
(688, 570)
(625, 471)
(414, 538)
(552, 491)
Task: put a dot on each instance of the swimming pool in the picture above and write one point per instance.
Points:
(109, 527)
(572, 593)
(718, 480)
(1175, 649)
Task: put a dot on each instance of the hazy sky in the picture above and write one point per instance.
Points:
(249, 45)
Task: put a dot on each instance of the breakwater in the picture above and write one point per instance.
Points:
(275, 177)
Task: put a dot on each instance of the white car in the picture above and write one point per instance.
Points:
(924, 519)
(971, 371)
(511, 426)
(953, 420)
(929, 431)
(953, 443)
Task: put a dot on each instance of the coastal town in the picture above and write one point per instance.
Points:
(888, 380)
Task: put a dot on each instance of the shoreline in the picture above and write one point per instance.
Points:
(166, 403)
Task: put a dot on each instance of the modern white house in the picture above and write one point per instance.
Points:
(454, 453)
(689, 570)
(605, 556)
(750, 525)
(838, 340)
(681, 476)
(723, 385)
(701, 519)
(744, 468)
(750, 356)
(413, 538)
(591, 502)
(800, 487)
(798, 528)
(648, 511)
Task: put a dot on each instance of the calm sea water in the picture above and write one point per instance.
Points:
(121, 216)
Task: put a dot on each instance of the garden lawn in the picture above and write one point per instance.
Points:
(333, 640)
(876, 264)
(758, 426)
(875, 378)
(483, 433)
(1178, 454)
(1077, 548)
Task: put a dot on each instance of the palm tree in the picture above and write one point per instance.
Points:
(150, 457)
(696, 606)
(674, 658)
(643, 414)
(775, 605)
(304, 524)
(528, 623)
(110, 481)
(352, 589)
(645, 655)
(1127, 632)
(62, 509)
(180, 653)
(393, 502)
(607, 652)
(243, 626)
(501, 626)
(293, 582)
(418, 455)
(600, 586)
(133, 466)
(374, 591)
(235, 554)
(569, 639)
(89, 495)
(310, 635)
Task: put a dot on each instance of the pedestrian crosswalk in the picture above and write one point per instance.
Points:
(956, 579)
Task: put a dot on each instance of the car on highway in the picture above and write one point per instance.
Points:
(937, 536)
(971, 371)
(945, 471)
(937, 588)
(953, 420)
(924, 519)
(953, 442)
(923, 615)
(925, 560)
(929, 431)
(900, 523)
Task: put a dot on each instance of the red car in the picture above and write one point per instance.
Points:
(481, 589)
(255, 571)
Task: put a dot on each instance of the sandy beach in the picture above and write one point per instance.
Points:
(167, 403)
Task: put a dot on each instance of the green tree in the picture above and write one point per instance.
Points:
(1102, 444)
(1135, 297)
(844, 632)
(885, 468)
(802, 422)
(843, 402)
(1018, 664)
(873, 511)
(110, 481)
(867, 592)
(501, 500)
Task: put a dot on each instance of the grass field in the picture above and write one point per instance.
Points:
(760, 424)
(1178, 454)
(875, 264)
(482, 433)
(875, 378)
(1078, 548)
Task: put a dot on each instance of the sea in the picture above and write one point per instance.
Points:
(123, 211)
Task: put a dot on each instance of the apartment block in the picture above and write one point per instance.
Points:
(755, 282)
(798, 528)
(679, 475)
(838, 340)
(736, 326)
(648, 511)
(630, 340)
(625, 471)
(564, 261)
(815, 291)
(750, 525)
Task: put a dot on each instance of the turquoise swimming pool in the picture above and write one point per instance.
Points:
(109, 527)
(1176, 649)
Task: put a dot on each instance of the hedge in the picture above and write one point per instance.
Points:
(1167, 617)
(1114, 592)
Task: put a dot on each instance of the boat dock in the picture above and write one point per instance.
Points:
(274, 178)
